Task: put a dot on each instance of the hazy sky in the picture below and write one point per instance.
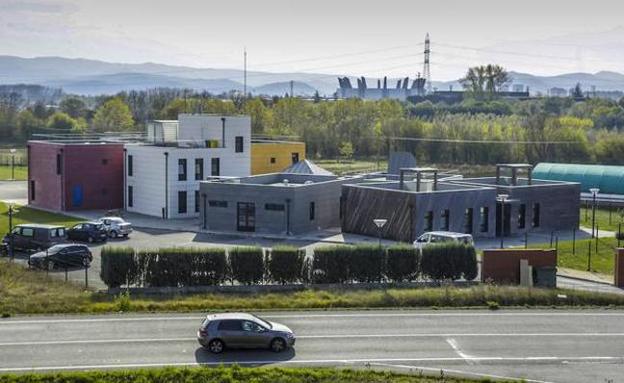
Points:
(324, 36)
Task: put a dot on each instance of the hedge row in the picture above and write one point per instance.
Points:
(178, 267)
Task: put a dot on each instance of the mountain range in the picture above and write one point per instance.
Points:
(93, 77)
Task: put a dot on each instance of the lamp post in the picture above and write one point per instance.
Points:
(502, 198)
(13, 164)
(11, 212)
(594, 192)
(380, 224)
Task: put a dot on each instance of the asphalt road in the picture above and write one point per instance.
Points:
(544, 346)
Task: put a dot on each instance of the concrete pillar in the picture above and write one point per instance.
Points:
(619, 268)
(526, 273)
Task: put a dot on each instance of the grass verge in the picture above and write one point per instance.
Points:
(576, 257)
(29, 215)
(21, 173)
(32, 292)
(233, 374)
(602, 218)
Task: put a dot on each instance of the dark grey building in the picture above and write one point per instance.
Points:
(483, 207)
(278, 203)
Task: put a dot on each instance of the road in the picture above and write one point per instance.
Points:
(540, 346)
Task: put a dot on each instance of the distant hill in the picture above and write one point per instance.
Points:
(281, 88)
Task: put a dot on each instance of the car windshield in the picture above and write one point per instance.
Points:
(263, 322)
(55, 249)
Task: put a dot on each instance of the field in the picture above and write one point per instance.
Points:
(29, 215)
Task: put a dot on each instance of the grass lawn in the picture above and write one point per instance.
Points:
(29, 215)
(601, 262)
(234, 374)
(21, 173)
(602, 218)
(352, 166)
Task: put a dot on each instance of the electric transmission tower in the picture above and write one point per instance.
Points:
(427, 68)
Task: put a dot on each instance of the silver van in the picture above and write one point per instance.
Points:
(441, 237)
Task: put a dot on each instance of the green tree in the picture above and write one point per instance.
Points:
(74, 107)
(62, 121)
(485, 80)
(113, 116)
(346, 150)
(27, 124)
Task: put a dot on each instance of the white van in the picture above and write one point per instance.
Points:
(442, 236)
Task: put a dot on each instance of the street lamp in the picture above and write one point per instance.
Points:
(11, 211)
(13, 164)
(502, 198)
(594, 192)
(380, 224)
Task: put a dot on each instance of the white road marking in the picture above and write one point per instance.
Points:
(199, 316)
(458, 372)
(453, 343)
(331, 336)
(619, 359)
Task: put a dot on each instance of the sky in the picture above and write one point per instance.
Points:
(365, 37)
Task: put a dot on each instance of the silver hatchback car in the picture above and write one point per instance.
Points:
(240, 330)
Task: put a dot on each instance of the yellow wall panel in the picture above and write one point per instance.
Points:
(273, 157)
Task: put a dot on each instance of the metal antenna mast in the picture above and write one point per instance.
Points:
(245, 73)
(427, 68)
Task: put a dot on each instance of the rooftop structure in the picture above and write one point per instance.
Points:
(307, 167)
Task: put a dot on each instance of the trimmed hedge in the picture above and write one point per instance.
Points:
(402, 263)
(118, 266)
(330, 264)
(449, 261)
(247, 264)
(366, 263)
(286, 264)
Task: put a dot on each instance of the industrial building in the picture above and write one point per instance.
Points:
(65, 175)
(280, 203)
(422, 201)
(401, 91)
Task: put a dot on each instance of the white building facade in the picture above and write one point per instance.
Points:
(162, 177)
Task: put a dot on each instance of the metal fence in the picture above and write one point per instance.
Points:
(20, 156)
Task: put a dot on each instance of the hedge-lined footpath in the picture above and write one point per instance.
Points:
(233, 375)
(24, 291)
(181, 267)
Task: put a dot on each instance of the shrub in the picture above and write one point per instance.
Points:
(210, 267)
(285, 264)
(247, 264)
(402, 263)
(471, 267)
(449, 261)
(118, 266)
(330, 264)
(365, 263)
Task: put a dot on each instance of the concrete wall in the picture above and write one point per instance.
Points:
(280, 152)
(202, 127)
(503, 266)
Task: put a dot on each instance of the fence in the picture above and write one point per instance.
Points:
(20, 156)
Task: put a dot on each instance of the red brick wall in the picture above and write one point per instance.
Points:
(619, 268)
(503, 266)
(42, 170)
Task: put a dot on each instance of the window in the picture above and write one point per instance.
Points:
(274, 206)
(130, 166)
(312, 212)
(27, 232)
(215, 167)
(196, 201)
(484, 219)
(272, 160)
(213, 203)
(230, 325)
(445, 220)
(536, 215)
(130, 196)
(104, 161)
(239, 144)
(32, 190)
(468, 221)
(181, 202)
(59, 165)
(522, 216)
(199, 169)
(429, 221)
(182, 169)
(294, 157)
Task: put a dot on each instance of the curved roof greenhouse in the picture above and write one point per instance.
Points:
(609, 179)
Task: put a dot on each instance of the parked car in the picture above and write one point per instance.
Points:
(36, 237)
(239, 330)
(116, 226)
(88, 232)
(442, 236)
(61, 257)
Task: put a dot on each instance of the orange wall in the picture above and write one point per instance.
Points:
(280, 152)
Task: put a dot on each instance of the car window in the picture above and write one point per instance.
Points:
(28, 232)
(78, 227)
(251, 326)
(106, 222)
(423, 238)
(61, 232)
(230, 325)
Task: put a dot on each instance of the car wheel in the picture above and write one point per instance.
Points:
(50, 265)
(216, 346)
(125, 235)
(114, 234)
(278, 345)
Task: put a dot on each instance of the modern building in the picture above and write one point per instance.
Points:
(483, 207)
(279, 203)
(66, 175)
(269, 156)
(162, 176)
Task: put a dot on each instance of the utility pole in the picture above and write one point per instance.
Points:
(427, 68)
(245, 74)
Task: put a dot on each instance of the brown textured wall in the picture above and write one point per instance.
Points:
(503, 266)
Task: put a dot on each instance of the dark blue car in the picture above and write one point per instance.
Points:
(88, 232)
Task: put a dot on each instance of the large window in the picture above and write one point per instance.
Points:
(445, 222)
(181, 202)
(130, 196)
(522, 216)
(239, 144)
(429, 221)
(484, 219)
(312, 211)
(215, 167)
(196, 201)
(468, 221)
(182, 169)
(130, 166)
(199, 169)
(213, 203)
(536, 215)
(274, 206)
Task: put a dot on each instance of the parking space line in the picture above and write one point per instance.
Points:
(453, 343)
